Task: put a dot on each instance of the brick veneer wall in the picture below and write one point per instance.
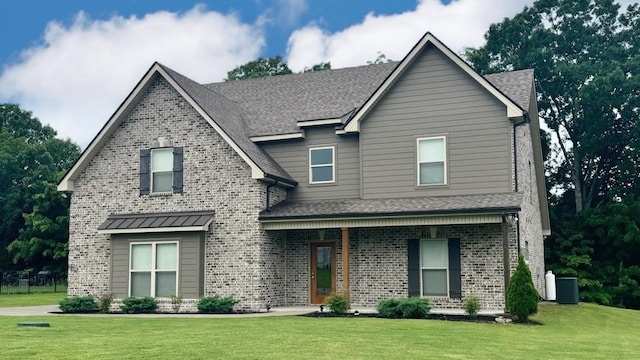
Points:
(240, 259)
(378, 263)
(529, 217)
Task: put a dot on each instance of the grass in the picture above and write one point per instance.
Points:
(13, 300)
(569, 332)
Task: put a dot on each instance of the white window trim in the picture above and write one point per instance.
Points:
(151, 172)
(418, 162)
(422, 267)
(333, 165)
(153, 262)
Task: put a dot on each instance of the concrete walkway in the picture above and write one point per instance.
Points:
(276, 311)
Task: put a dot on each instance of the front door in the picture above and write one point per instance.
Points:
(323, 271)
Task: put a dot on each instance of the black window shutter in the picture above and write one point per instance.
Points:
(145, 169)
(413, 265)
(177, 170)
(455, 270)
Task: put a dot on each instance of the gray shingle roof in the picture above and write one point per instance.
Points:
(515, 84)
(276, 103)
(229, 116)
(157, 220)
(432, 205)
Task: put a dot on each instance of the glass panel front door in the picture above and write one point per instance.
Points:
(323, 271)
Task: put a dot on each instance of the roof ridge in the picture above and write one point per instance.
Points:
(300, 74)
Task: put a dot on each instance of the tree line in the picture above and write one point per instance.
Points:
(587, 62)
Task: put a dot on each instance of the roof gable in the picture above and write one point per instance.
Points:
(222, 114)
(514, 110)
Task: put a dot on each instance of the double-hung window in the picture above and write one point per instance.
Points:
(322, 168)
(432, 164)
(153, 269)
(162, 170)
(434, 267)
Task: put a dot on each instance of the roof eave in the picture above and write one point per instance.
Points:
(494, 210)
(67, 181)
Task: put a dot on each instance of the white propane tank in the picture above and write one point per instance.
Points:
(550, 288)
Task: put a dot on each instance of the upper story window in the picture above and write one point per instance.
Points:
(432, 163)
(322, 165)
(161, 171)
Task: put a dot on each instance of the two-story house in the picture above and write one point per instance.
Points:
(412, 178)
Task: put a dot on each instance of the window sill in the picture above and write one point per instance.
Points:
(332, 183)
(167, 193)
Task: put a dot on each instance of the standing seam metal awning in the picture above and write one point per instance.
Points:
(157, 222)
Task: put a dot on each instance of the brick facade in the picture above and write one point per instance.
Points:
(529, 221)
(237, 250)
(378, 263)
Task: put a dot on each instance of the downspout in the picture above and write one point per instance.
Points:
(525, 120)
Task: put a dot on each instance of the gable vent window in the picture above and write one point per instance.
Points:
(322, 165)
(161, 171)
(432, 164)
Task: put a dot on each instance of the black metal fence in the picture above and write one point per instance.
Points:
(25, 282)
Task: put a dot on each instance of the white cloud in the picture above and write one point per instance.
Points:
(79, 75)
(291, 10)
(460, 24)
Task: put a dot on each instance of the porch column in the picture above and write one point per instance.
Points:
(345, 262)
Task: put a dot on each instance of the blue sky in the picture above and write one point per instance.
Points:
(72, 62)
(31, 17)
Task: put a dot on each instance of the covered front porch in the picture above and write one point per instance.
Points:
(375, 257)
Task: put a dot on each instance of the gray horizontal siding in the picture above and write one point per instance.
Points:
(435, 98)
(293, 156)
(190, 270)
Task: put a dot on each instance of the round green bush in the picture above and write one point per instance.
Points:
(78, 304)
(139, 305)
(217, 305)
(337, 304)
(522, 296)
(471, 305)
(410, 308)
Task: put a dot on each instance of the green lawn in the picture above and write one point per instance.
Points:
(13, 300)
(569, 332)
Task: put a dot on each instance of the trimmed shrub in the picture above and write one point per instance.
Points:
(410, 308)
(78, 304)
(217, 304)
(104, 303)
(337, 303)
(522, 296)
(139, 305)
(176, 303)
(471, 305)
(389, 308)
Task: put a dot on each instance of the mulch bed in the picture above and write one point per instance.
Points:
(444, 317)
(487, 319)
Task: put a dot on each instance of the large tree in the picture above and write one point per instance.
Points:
(587, 62)
(33, 215)
(259, 68)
